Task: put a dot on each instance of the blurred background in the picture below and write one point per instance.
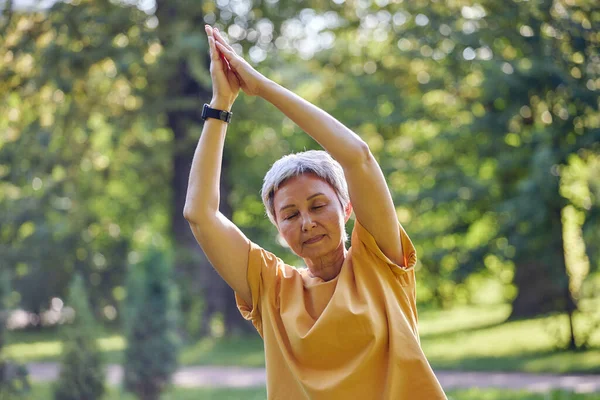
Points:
(484, 116)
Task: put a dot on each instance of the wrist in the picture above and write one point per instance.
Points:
(221, 104)
(264, 87)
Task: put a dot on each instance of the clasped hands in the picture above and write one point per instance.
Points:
(230, 72)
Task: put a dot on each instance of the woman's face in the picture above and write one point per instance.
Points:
(309, 216)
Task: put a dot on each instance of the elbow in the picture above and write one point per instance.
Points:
(358, 157)
(363, 154)
(195, 215)
(188, 213)
(195, 208)
(191, 214)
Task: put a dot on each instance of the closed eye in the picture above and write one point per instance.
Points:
(292, 216)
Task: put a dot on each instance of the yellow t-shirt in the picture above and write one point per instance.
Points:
(354, 337)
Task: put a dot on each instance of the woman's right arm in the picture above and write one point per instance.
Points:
(225, 246)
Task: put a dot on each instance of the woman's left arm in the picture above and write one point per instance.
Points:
(369, 193)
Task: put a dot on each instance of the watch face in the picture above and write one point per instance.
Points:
(223, 115)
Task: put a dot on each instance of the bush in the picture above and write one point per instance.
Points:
(151, 327)
(4, 306)
(82, 374)
(13, 377)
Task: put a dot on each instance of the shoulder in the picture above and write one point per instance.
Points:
(363, 243)
(267, 265)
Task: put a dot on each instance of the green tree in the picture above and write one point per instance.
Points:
(474, 109)
(14, 380)
(151, 326)
(535, 121)
(99, 114)
(68, 104)
(5, 292)
(82, 372)
(100, 107)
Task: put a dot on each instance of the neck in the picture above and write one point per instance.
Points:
(328, 266)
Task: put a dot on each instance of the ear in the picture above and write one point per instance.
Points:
(347, 212)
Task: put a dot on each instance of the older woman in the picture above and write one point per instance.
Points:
(345, 327)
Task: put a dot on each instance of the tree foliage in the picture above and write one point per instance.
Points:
(73, 146)
(13, 377)
(484, 117)
(151, 326)
(82, 371)
(5, 292)
(474, 115)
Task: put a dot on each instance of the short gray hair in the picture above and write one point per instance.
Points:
(317, 162)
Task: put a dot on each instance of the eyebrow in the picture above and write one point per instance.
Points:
(308, 198)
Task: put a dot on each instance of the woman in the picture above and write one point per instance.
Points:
(346, 326)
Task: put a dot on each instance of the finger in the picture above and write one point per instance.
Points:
(226, 66)
(211, 42)
(223, 60)
(219, 78)
(234, 80)
(211, 39)
(209, 30)
(229, 54)
(221, 39)
(218, 64)
(214, 53)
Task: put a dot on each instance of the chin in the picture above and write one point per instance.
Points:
(320, 251)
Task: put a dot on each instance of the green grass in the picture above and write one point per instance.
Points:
(46, 345)
(42, 392)
(470, 338)
(495, 394)
(477, 339)
(248, 352)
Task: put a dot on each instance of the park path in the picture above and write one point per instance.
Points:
(210, 376)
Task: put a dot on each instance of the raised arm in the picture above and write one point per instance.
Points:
(368, 189)
(225, 246)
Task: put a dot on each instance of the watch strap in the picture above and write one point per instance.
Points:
(208, 112)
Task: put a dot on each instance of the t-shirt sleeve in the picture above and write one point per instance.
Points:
(362, 240)
(262, 278)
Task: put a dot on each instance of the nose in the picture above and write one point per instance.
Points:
(307, 223)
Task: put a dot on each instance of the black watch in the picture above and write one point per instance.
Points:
(208, 112)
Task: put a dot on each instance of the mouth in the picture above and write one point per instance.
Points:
(314, 239)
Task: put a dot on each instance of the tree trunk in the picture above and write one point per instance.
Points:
(542, 282)
(539, 290)
(194, 272)
(234, 323)
(192, 264)
(572, 342)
